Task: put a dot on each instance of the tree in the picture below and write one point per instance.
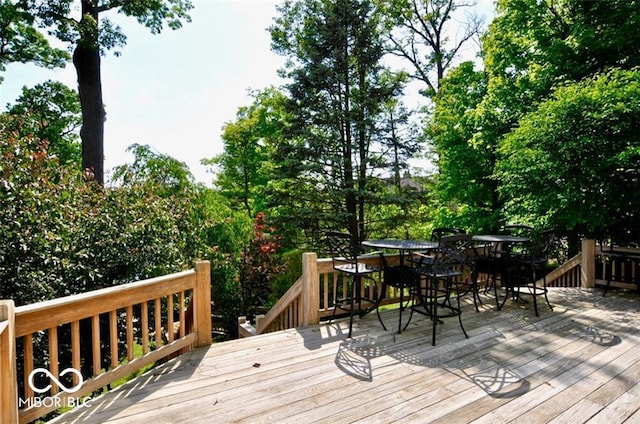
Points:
(465, 160)
(574, 162)
(530, 50)
(91, 35)
(244, 165)
(334, 51)
(20, 42)
(423, 33)
(52, 113)
(150, 166)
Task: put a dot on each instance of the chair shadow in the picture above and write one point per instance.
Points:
(599, 337)
(354, 357)
(498, 381)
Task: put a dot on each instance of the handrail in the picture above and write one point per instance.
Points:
(9, 392)
(566, 275)
(290, 305)
(310, 298)
(121, 309)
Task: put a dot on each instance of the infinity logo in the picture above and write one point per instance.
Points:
(55, 380)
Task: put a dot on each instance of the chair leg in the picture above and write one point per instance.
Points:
(434, 312)
(355, 291)
(544, 287)
(460, 318)
(380, 298)
(412, 301)
(608, 271)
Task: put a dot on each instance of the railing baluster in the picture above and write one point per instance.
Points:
(170, 317)
(182, 309)
(75, 349)
(129, 314)
(145, 327)
(53, 356)
(95, 345)
(158, 319)
(113, 336)
(28, 364)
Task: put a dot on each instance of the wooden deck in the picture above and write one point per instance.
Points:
(577, 363)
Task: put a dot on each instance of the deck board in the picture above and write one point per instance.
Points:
(577, 363)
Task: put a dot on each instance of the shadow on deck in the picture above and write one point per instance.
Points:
(577, 363)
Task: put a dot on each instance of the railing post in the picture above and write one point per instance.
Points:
(588, 265)
(202, 307)
(310, 290)
(8, 377)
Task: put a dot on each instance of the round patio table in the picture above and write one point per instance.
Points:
(401, 277)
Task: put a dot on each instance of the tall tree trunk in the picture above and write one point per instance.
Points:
(86, 59)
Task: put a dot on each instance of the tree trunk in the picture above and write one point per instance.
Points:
(86, 60)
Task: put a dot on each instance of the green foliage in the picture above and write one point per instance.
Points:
(149, 167)
(464, 157)
(538, 137)
(574, 162)
(327, 168)
(51, 112)
(22, 43)
(290, 271)
(244, 166)
(61, 235)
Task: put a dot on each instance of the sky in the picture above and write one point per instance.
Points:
(176, 90)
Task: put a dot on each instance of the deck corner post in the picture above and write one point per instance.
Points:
(310, 289)
(588, 265)
(8, 376)
(202, 310)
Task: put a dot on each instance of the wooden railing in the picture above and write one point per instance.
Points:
(162, 316)
(9, 389)
(309, 300)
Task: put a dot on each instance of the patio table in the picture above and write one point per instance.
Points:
(497, 262)
(401, 277)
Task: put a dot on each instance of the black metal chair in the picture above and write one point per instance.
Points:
(345, 252)
(525, 271)
(426, 258)
(487, 262)
(492, 263)
(404, 279)
(518, 230)
(442, 280)
(620, 258)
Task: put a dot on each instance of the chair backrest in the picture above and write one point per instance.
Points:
(343, 247)
(453, 251)
(440, 232)
(520, 230)
(543, 244)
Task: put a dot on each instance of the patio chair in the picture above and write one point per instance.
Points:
(404, 279)
(426, 258)
(526, 273)
(350, 265)
(518, 230)
(444, 279)
(493, 261)
(620, 258)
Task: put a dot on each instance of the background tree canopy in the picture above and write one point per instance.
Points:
(574, 162)
(551, 136)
